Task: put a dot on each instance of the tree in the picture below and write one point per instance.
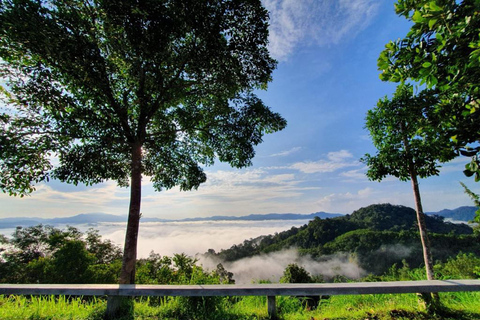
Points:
(121, 90)
(442, 52)
(294, 273)
(408, 147)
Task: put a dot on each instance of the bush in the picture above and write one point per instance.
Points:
(462, 266)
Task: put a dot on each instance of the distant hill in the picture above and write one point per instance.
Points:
(460, 214)
(466, 213)
(269, 216)
(84, 218)
(93, 218)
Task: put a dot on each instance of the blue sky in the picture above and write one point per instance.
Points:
(326, 80)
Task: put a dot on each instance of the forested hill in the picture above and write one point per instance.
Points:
(364, 231)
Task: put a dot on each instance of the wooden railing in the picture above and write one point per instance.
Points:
(269, 290)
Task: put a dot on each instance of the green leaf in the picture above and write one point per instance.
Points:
(426, 64)
(431, 23)
(433, 6)
(417, 17)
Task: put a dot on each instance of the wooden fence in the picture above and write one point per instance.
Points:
(269, 290)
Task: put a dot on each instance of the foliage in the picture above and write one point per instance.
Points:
(401, 130)
(442, 52)
(294, 273)
(44, 254)
(463, 266)
(89, 80)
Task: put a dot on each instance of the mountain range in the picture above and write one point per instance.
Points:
(464, 214)
(93, 218)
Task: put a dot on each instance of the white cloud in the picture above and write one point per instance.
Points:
(286, 152)
(319, 22)
(347, 202)
(55, 199)
(236, 192)
(355, 175)
(335, 161)
(339, 156)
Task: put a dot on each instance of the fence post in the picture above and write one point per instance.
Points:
(271, 307)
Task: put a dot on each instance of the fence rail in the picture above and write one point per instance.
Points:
(269, 290)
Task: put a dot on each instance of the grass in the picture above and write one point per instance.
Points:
(458, 306)
(51, 308)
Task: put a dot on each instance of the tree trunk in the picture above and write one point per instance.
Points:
(127, 275)
(422, 227)
(431, 301)
(117, 305)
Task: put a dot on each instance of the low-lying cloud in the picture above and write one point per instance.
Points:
(271, 266)
(191, 238)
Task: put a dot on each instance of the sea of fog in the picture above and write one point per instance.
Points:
(195, 238)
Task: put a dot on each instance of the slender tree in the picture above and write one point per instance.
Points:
(102, 89)
(408, 148)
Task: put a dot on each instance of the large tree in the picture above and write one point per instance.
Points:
(408, 148)
(125, 89)
(442, 52)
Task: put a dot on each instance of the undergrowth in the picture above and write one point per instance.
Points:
(458, 306)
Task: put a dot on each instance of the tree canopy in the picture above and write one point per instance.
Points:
(442, 52)
(88, 80)
(403, 131)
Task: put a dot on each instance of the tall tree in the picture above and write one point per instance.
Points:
(442, 52)
(408, 148)
(120, 90)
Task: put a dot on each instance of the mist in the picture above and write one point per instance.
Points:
(191, 238)
(271, 266)
(195, 238)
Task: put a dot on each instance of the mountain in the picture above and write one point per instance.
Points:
(460, 214)
(269, 216)
(378, 236)
(93, 218)
(84, 218)
(466, 213)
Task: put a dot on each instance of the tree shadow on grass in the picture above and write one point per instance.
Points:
(119, 308)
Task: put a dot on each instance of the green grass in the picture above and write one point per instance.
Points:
(51, 308)
(458, 306)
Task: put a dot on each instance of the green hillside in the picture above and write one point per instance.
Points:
(378, 236)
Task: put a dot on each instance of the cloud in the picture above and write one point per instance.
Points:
(192, 238)
(347, 202)
(286, 153)
(271, 266)
(315, 22)
(355, 175)
(53, 199)
(335, 160)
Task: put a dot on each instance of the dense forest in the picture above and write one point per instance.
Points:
(376, 236)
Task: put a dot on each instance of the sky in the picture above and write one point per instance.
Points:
(326, 80)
